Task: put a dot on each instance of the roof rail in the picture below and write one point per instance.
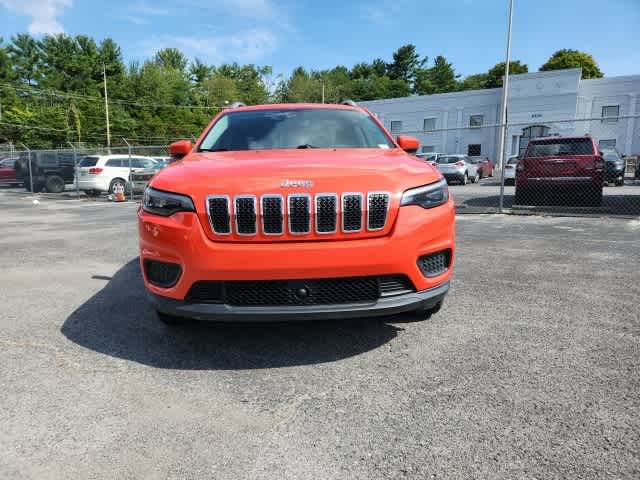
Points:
(351, 103)
(237, 105)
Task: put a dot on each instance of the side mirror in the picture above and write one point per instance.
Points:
(179, 149)
(408, 144)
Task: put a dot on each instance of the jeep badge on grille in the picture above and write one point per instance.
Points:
(296, 183)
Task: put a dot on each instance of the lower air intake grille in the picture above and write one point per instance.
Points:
(324, 291)
(395, 285)
(435, 264)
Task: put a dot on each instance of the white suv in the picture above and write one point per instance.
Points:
(106, 173)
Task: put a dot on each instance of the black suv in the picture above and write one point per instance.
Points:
(615, 167)
(50, 170)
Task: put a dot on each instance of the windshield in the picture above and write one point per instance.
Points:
(567, 146)
(611, 157)
(294, 128)
(513, 161)
(449, 159)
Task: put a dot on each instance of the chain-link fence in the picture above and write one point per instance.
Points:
(564, 166)
(567, 166)
(80, 171)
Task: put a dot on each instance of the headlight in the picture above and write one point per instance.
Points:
(165, 203)
(428, 196)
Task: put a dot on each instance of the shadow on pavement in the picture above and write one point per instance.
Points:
(118, 321)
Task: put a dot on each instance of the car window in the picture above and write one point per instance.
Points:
(449, 159)
(114, 162)
(88, 162)
(567, 146)
(146, 163)
(8, 163)
(295, 128)
(611, 157)
(512, 161)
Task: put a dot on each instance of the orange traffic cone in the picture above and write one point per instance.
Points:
(119, 194)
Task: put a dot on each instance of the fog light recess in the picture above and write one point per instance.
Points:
(435, 264)
(162, 274)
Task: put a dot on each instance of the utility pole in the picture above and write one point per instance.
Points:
(322, 90)
(503, 115)
(106, 105)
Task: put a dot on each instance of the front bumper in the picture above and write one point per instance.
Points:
(225, 313)
(181, 239)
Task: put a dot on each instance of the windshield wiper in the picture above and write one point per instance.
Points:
(214, 150)
(306, 145)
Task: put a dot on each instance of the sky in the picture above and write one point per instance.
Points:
(324, 33)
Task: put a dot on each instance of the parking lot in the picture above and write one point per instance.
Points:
(529, 371)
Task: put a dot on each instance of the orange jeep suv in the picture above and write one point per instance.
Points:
(296, 212)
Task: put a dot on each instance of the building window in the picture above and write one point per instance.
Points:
(610, 113)
(607, 144)
(396, 126)
(476, 121)
(428, 148)
(429, 124)
(474, 149)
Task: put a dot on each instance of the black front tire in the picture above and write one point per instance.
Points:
(54, 184)
(117, 181)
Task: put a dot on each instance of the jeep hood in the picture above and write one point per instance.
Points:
(264, 171)
(286, 172)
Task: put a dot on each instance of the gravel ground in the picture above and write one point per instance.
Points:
(531, 370)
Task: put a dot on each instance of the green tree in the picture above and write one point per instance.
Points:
(171, 58)
(567, 58)
(477, 81)
(441, 78)
(25, 58)
(199, 71)
(405, 63)
(496, 74)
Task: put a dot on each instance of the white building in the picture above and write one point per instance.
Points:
(540, 103)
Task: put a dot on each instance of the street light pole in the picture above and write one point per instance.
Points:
(503, 115)
(106, 105)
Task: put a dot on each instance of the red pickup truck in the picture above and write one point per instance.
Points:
(8, 172)
(560, 170)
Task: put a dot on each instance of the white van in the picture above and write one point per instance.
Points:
(107, 173)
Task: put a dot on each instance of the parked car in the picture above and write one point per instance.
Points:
(615, 167)
(430, 157)
(484, 165)
(560, 170)
(107, 173)
(458, 168)
(140, 178)
(8, 172)
(50, 170)
(510, 170)
(280, 213)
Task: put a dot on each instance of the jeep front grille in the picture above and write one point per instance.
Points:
(301, 213)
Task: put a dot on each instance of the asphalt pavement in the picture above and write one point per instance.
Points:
(530, 370)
